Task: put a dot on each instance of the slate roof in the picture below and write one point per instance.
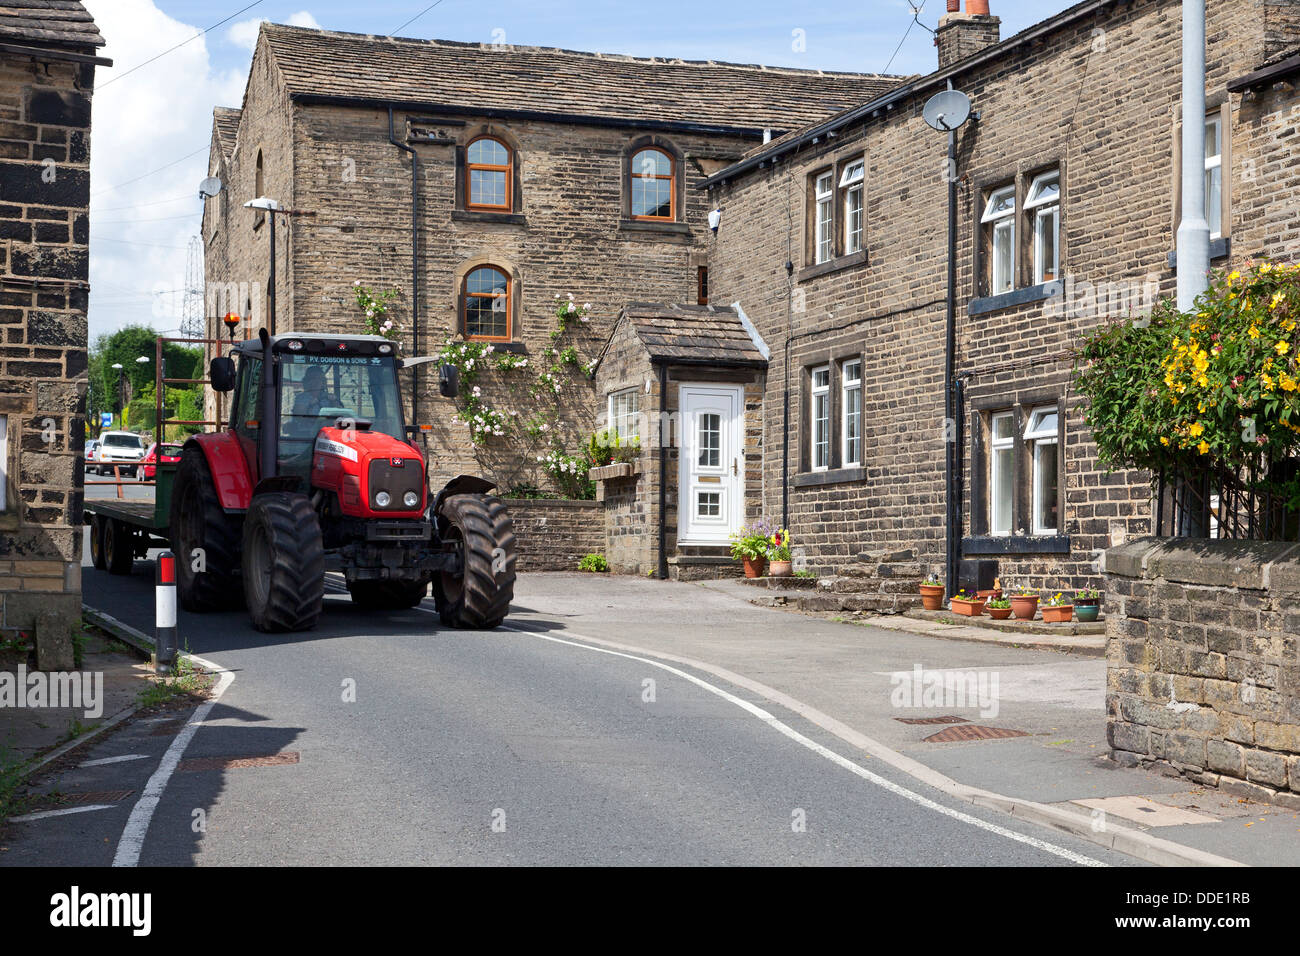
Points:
(693, 333)
(538, 79)
(64, 23)
(225, 123)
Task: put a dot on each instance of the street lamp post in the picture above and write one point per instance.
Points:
(272, 208)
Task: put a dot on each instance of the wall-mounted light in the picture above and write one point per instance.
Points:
(715, 219)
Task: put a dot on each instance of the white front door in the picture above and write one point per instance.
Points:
(711, 504)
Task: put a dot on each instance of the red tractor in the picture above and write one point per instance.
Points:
(318, 471)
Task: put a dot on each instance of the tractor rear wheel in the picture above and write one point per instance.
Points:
(388, 595)
(203, 535)
(97, 543)
(481, 529)
(284, 562)
(119, 546)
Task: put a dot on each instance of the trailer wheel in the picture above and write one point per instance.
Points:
(284, 562)
(481, 529)
(198, 524)
(388, 595)
(97, 543)
(119, 546)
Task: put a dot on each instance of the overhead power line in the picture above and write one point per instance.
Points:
(177, 46)
(416, 17)
(106, 189)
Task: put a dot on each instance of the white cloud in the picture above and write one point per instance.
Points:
(152, 118)
(244, 33)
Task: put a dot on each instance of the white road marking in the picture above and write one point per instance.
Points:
(826, 752)
(45, 814)
(107, 760)
(137, 825)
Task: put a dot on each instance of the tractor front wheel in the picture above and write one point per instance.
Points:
(480, 528)
(284, 562)
(388, 595)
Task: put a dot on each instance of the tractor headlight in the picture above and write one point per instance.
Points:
(383, 498)
(410, 499)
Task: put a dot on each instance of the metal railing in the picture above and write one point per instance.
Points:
(1257, 502)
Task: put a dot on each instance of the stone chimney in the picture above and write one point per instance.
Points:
(964, 34)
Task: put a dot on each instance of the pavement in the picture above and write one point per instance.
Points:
(620, 720)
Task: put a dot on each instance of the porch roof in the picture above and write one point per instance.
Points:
(694, 334)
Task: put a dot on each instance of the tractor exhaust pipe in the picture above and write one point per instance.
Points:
(270, 430)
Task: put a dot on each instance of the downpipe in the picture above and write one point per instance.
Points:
(415, 264)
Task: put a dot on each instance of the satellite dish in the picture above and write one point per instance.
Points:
(209, 187)
(947, 111)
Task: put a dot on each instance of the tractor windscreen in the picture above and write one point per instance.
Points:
(315, 390)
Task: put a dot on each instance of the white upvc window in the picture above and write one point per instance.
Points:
(4, 461)
(820, 418)
(1214, 176)
(851, 183)
(625, 414)
(1002, 442)
(1000, 218)
(1042, 435)
(851, 426)
(1044, 204)
(825, 194)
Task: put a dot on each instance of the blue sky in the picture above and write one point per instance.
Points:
(151, 128)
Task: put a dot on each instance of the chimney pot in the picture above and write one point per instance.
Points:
(954, 6)
(977, 8)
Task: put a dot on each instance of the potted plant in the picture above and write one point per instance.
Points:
(1087, 605)
(999, 608)
(778, 553)
(749, 545)
(932, 594)
(967, 605)
(1057, 610)
(1024, 605)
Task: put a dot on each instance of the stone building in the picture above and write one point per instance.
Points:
(530, 175)
(1067, 212)
(47, 71)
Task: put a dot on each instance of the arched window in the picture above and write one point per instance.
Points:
(654, 186)
(487, 171)
(259, 186)
(486, 304)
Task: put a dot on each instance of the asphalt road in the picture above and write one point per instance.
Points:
(420, 745)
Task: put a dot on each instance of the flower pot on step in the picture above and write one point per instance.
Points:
(932, 597)
(1024, 606)
(1087, 613)
(754, 567)
(1060, 614)
(969, 607)
(999, 613)
(781, 569)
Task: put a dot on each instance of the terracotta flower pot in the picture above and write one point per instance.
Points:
(781, 569)
(1024, 607)
(1060, 614)
(991, 593)
(932, 597)
(754, 567)
(969, 608)
(999, 613)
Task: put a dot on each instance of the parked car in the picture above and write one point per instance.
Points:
(121, 449)
(171, 455)
(91, 445)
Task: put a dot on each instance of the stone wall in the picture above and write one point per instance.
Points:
(554, 535)
(1051, 103)
(1203, 676)
(44, 232)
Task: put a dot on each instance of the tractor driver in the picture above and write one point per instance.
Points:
(306, 407)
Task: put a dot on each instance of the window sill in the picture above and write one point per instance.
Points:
(833, 476)
(514, 348)
(503, 218)
(1219, 249)
(1007, 300)
(833, 265)
(1016, 544)
(648, 225)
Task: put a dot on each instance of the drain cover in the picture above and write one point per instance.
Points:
(235, 763)
(973, 732)
(96, 796)
(931, 720)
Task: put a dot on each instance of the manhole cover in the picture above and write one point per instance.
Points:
(235, 763)
(931, 720)
(972, 732)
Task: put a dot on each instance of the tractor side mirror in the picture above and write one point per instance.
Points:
(221, 372)
(449, 381)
